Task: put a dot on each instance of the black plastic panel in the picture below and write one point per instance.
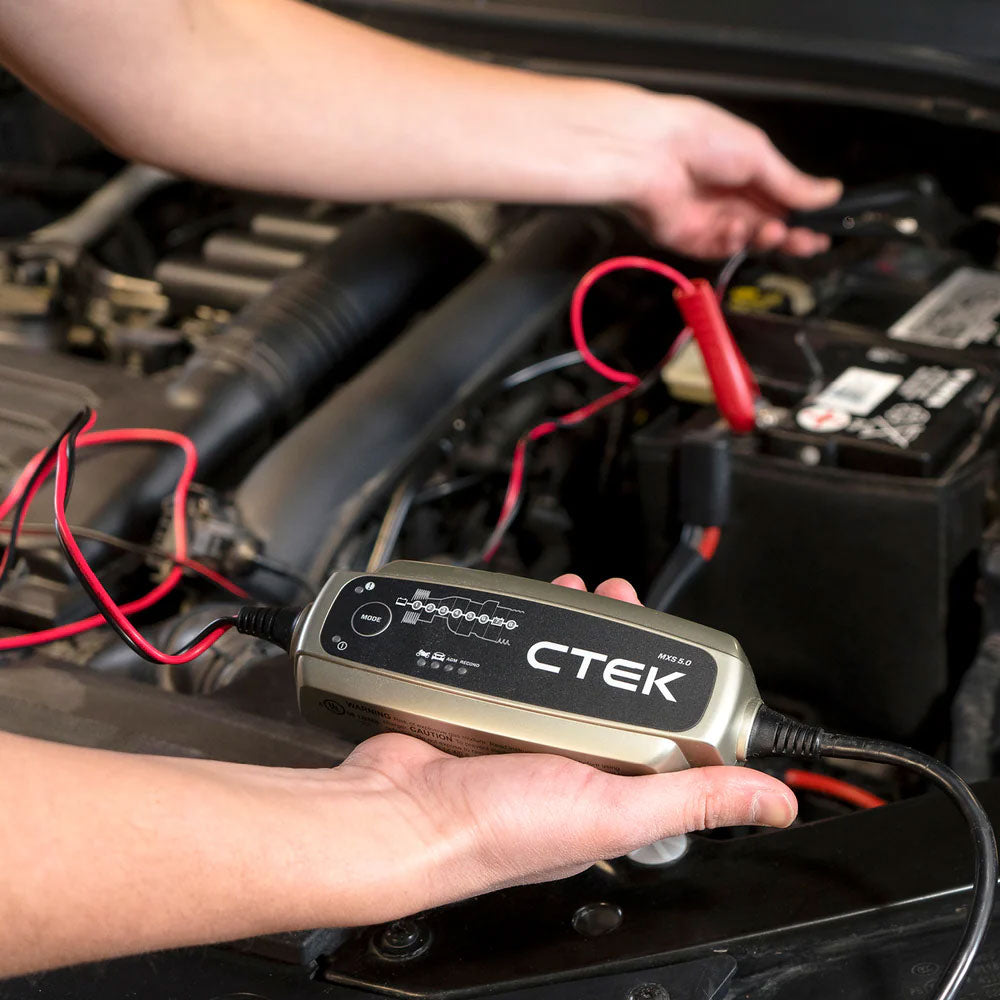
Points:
(851, 52)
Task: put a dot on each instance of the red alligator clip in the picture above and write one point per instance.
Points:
(736, 391)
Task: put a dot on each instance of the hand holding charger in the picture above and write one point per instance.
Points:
(478, 663)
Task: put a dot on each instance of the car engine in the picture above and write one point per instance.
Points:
(361, 384)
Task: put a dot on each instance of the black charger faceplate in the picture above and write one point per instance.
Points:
(524, 651)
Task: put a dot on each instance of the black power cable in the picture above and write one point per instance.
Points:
(775, 735)
(22, 504)
(270, 566)
(681, 567)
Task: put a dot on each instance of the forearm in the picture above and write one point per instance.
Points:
(278, 95)
(105, 853)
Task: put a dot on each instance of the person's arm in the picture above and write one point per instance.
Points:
(109, 853)
(278, 95)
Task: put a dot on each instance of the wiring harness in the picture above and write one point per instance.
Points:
(60, 458)
(735, 387)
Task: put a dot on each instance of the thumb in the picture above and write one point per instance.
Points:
(781, 182)
(637, 811)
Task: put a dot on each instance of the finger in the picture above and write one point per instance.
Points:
(570, 580)
(566, 813)
(771, 235)
(805, 243)
(714, 244)
(729, 229)
(738, 224)
(789, 186)
(708, 230)
(690, 236)
(628, 813)
(735, 235)
(620, 590)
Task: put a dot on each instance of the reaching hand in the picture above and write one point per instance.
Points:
(430, 828)
(715, 183)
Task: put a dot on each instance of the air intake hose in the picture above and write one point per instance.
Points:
(311, 490)
(320, 322)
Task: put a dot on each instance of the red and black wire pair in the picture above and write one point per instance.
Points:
(60, 457)
(734, 385)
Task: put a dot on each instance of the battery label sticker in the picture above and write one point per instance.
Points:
(858, 390)
(522, 651)
(900, 425)
(962, 310)
(935, 386)
(823, 419)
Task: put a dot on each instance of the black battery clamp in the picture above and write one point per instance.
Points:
(908, 207)
(476, 663)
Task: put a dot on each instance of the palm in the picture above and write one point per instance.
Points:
(439, 828)
(470, 825)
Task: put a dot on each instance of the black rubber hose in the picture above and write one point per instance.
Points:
(307, 495)
(330, 315)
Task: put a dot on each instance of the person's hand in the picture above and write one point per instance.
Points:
(425, 828)
(208, 850)
(712, 183)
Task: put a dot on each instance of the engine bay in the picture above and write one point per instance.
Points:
(362, 384)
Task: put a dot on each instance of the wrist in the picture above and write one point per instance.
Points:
(625, 135)
(346, 847)
(248, 854)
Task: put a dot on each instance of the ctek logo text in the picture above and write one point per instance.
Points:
(629, 675)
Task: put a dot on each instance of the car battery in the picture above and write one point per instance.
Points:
(847, 564)
(883, 410)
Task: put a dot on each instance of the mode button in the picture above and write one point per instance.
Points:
(371, 619)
